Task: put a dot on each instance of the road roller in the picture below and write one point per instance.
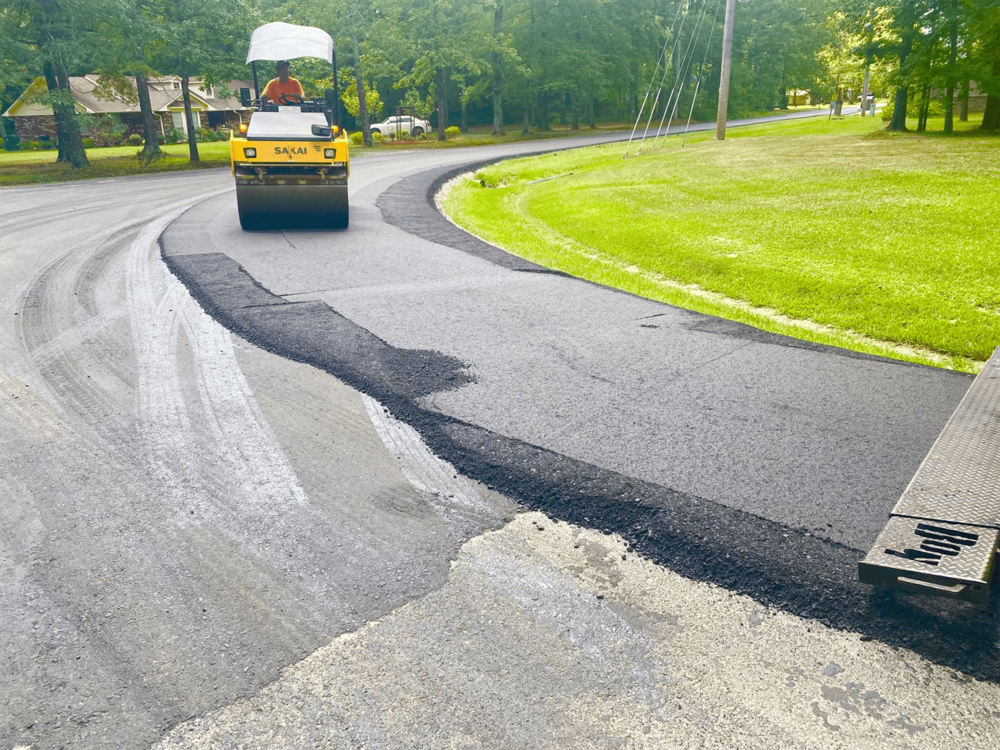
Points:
(291, 160)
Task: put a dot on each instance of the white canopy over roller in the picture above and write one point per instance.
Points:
(286, 41)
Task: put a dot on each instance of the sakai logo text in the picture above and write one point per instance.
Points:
(288, 151)
(936, 543)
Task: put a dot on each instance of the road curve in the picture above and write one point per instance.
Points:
(189, 520)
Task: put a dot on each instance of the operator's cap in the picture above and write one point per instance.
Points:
(282, 64)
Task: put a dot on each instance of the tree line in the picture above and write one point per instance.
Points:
(518, 63)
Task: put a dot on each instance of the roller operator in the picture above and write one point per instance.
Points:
(284, 89)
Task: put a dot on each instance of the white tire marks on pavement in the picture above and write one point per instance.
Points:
(445, 487)
(261, 483)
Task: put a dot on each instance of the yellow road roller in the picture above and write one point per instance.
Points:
(291, 161)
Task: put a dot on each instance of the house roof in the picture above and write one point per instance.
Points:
(162, 97)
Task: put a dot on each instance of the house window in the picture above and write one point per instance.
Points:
(178, 120)
(177, 84)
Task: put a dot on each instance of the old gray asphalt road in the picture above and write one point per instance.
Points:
(182, 514)
(185, 514)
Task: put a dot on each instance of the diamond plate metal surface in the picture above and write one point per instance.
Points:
(959, 480)
(930, 557)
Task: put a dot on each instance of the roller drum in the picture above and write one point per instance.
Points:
(264, 206)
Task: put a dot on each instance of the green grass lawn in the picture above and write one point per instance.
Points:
(30, 167)
(831, 231)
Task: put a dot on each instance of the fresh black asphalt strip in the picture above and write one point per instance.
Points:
(777, 565)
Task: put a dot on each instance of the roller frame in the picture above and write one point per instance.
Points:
(297, 192)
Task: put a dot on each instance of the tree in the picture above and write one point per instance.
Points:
(206, 38)
(435, 40)
(129, 37)
(983, 49)
(500, 50)
(57, 35)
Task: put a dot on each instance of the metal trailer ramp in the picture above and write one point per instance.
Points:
(942, 536)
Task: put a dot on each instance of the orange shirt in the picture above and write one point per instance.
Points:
(275, 88)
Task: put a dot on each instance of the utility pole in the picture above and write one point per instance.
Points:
(727, 62)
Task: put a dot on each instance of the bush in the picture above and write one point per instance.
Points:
(357, 138)
(452, 130)
(377, 137)
(135, 139)
(29, 145)
(88, 143)
(175, 135)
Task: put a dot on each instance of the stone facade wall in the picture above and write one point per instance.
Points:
(32, 128)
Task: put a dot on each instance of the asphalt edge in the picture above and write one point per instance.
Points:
(778, 566)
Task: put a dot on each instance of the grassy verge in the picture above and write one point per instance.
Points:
(33, 167)
(830, 231)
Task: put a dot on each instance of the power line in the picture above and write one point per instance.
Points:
(701, 70)
(673, 103)
(673, 36)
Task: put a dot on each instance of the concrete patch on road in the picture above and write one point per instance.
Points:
(547, 635)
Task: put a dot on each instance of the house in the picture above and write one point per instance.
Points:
(977, 98)
(33, 117)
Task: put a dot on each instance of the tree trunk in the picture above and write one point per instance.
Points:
(497, 70)
(53, 86)
(590, 112)
(464, 125)
(782, 98)
(442, 104)
(543, 111)
(189, 119)
(899, 108)
(574, 112)
(925, 106)
(359, 81)
(69, 140)
(527, 114)
(151, 148)
(991, 116)
(899, 111)
(949, 112)
(963, 103)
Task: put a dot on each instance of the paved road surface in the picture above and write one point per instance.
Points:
(185, 515)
